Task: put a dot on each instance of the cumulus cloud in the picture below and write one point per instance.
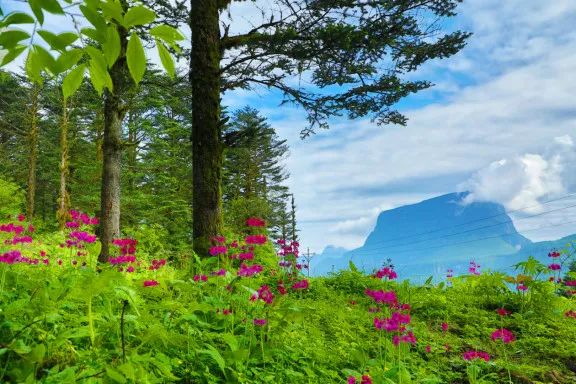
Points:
(522, 182)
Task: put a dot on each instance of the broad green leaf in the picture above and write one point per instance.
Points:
(20, 348)
(111, 47)
(10, 39)
(52, 6)
(12, 54)
(138, 16)
(36, 7)
(215, 355)
(166, 59)
(136, 58)
(33, 67)
(100, 77)
(73, 80)
(94, 18)
(93, 34)
(166, 33)
(112, 9)
(68, 59)
(37, 354)
(115, 375)
(47, 61)
(18, 18)
(58, 42)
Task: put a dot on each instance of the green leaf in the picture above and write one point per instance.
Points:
(352, 266)
(10, 39)
(136, 58)
(68, 59)
(215, 355)
(139, 16)
(47, 61)
(20, 348)
(94, 18)
(111, 47)
(166, 33)
(93, 34)
(12, 54)
(33, 67)
(112, 9)
(52, 6)
(166, 59)
(58, 42)
(115, 375)
(36, 7)
(18, 18)
(73, 81)
(100, 77)
(37, 354)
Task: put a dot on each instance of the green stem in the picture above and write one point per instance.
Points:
(91, 322)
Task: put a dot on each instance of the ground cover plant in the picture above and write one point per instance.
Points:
(248, 314)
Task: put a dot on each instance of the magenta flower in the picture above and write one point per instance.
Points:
(255, 222)
(255, 239)
(386, 272)
(218, 250)
(554, 267)
(503, 312)
(554, 254)
(428, 349)
(366, 379)
(383, 297)
(248, 271)
(302, 284)
(521, 287)
(150, 283)
(503, 334)
(351, 380)
(444, 327)
(571, 313)
(570, 283)
(260, 322)
(472, 355)
(265, 294)
(21, 217)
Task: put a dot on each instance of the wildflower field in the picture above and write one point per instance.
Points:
(249, 314)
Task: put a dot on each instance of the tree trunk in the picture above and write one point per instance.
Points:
(206, 129)
(33, 152)
(114, 112)
(64, 198)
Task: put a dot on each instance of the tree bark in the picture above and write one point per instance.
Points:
(114, 112)
(207, 155)
(33, 152)
(63, 212)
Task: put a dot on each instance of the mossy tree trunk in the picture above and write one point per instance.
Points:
(114, 112)
(207, 146)
(63, 196)
(32, 151)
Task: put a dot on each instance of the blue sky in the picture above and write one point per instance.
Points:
(500, 122)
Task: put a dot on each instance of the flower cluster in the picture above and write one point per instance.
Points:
(571, 313)
(393, 323)
(554, 254)
(249, 270)
(503, 334)
(256, 239)
(503, 312)
(255, 222)
(474, 268)
(157, 264)
(383, 297)
(80, 218)
(473, 355)
(386, 272)
(302, 284)
(365, 379)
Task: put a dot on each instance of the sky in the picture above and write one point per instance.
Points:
(499, 122)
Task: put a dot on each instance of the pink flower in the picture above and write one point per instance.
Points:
(521, 287)
(554, 267)
(471, 355)
(130, 269)
(226, 311)
(570, 283)
(255, 222)
(554, 254)
(383, 297)
(571, 313)
(200, 278)
(503, 312)
(428, 349)
(251, 270)
(220, 272)
(260, 322)
(366, 379)
(474, 268)
(386, 272)
(265, 294)
(246, 256)
(351, 380)
(21, 217)
(218, 250)
(444, 327)
(302, 284)
(150, 283)
(505, 335)
(255, 239)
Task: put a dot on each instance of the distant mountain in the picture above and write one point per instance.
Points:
(429, 237)
(330, 253)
